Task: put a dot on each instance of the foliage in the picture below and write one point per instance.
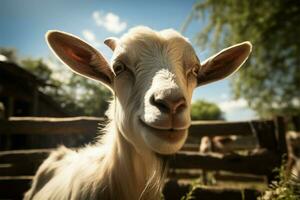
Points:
(203, 110)
(75, 94)
(90, 98)
(38, 68)
(9, 53)
(286, 188)
(269, 81)
(193, 186)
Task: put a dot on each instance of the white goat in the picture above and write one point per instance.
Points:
(152, 76)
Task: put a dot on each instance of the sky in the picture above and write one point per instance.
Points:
(23, 24)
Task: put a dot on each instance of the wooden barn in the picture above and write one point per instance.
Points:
(21, 92)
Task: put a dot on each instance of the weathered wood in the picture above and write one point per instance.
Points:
(260, 164)
(222, 128)
(265, 133)
(175, 191)
(21, 162)
(296, 123)
(184, 174)
(190, 147)
(89, 125)
(239, 178)
(20, 156)
(184, 160)
(187, 174)
(20, 169)
(14, 187)
(281, 136)
(26, 162)
(224, 194)
(51, 126)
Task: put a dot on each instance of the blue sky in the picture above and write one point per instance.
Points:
(24, 23)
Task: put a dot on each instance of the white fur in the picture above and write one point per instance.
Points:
(125, 163)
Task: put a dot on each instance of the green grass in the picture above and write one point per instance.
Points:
(194, 185)
(285, 188)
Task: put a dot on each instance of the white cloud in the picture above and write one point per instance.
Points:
(89, 36)
(228, 106)
(3, 58)
(237, 110)
(109, 21)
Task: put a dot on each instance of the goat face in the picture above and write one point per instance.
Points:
(153, 75)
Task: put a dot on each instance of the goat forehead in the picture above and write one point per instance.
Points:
(154, 53)
(141, 40)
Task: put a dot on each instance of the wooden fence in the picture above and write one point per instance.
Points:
(18, 166)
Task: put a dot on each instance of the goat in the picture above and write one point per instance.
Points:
(227, 144)
(152, 75)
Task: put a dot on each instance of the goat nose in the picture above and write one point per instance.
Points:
(167, 103)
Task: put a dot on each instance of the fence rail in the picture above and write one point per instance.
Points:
(90, 125)
(18, 166)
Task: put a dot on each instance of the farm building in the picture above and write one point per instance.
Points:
(21, 92)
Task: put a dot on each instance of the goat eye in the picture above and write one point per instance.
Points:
(119, 68)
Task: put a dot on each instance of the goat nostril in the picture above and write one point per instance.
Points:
(160, 104)
(168, 105)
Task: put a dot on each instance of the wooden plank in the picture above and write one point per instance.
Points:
(89, 125)
(19, 156)
(174, 191)
(187, 174)
(21, 162)
(184, 174)
(190, 147)
(239, 178)
(259, 164)
(281, 135)
(223, 128)
(19, 169)
(296, 123)
(265, 133)
(14, 187)
(51, 126)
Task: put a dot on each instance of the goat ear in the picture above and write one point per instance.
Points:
(80, 56)
(223, 63)
(111, 42)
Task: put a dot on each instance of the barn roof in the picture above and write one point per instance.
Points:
(16, 71)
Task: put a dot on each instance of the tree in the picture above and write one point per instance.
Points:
(75, 94)
(89, 96)
(9, 53)
(38, 67)
(270, 80)
(203, 110)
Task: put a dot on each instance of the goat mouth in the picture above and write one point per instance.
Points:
(171, 135)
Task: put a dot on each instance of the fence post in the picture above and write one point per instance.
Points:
(5, 139)
(281, 150)
(296, 122)
(281, 135)
(265, 134)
